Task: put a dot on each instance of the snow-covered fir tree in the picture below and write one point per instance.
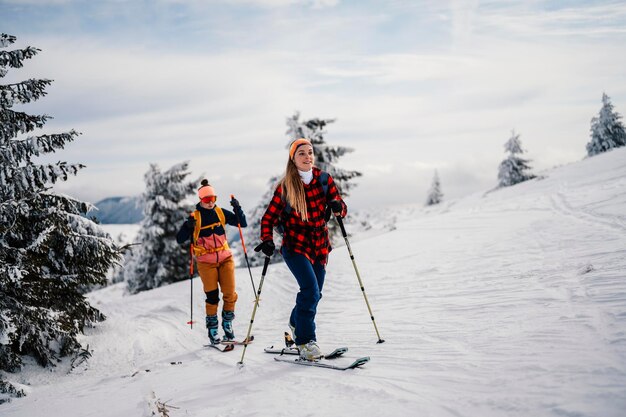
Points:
(607, 131)
(435, 196)
(326, 157)
(49, 252)
(157, 259)
(514, 169)
(253, 231)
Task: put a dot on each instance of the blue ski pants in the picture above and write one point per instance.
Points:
(310, 279)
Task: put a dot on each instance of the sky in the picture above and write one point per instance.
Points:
(413, 86)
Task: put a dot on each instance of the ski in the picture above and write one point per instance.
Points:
(237, 342)
(321, 364)
(226, 348)
(294, 351)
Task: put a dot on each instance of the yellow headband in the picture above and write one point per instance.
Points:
(296, 143)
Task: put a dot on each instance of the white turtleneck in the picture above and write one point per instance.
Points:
(307, 176)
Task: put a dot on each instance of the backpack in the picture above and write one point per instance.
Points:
(287, 209)
(201, 250)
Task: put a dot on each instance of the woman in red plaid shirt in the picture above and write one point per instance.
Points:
(298, 207)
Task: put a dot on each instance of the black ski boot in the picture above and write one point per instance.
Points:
(211, 325)
(227, 325)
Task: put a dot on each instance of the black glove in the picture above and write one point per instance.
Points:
(190, 223)
(335, 206)
(267, 247)
(235, 203)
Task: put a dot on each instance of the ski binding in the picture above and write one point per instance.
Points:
(237, 342)
(294, 351)
(219, 347)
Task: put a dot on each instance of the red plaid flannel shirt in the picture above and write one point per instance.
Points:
(307, 238)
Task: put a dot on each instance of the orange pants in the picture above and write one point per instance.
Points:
(222, 273)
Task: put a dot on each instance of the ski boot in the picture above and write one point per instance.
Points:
(310, 351)
(211, 325)
(227, 325)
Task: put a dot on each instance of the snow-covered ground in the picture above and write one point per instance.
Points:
(505, 303)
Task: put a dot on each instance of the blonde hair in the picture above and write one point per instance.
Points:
(291, 184)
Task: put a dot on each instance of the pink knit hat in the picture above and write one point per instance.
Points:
(206, 190)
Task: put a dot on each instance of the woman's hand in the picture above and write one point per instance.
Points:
(190, 223)
(266, 247)
(336, 207)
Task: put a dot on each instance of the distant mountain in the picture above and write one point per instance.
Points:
(118, 210)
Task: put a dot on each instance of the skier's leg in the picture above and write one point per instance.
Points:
(320, 273)
(307, 298)
(226, 278)
(209, 274)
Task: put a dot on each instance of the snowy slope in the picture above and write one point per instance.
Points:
(505, 303)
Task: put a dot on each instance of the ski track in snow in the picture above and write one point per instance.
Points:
(510, 303)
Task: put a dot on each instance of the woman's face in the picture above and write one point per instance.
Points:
(304, 158)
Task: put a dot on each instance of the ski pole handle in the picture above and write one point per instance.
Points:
(343, 229)
(243, 244)
(265, 265)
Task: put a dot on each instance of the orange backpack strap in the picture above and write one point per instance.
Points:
(196, 231)
(220, 215)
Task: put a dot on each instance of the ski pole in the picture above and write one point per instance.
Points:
(245, 346)
(243, 245)
(345, 237)
(190, 322)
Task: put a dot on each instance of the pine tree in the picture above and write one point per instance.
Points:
(514, 169)
(435, 196)
(158, 259)
(607, 131)
(49, 252)
(325, 158)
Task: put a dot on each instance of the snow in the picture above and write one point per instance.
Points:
(505, 303)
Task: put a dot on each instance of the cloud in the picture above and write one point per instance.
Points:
(408, 98)
(463, 20)
(281, 3)
(261, 3)
(38, 2)
(540, 21)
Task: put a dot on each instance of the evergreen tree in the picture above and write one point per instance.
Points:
(49, 252)
(253, 231)
(435, 196)
(158, 259)
(325, 158)
(513, 169)
(607, 131)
